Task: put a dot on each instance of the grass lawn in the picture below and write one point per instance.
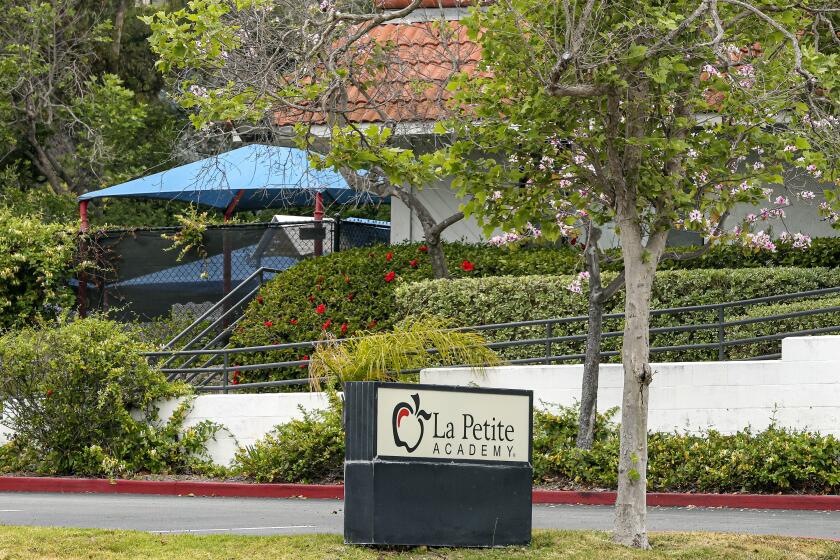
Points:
(34, 543)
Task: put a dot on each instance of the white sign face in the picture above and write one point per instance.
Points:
(424, 423)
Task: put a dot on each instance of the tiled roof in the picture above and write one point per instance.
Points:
(408, 83)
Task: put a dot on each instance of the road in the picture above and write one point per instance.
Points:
(251, 516)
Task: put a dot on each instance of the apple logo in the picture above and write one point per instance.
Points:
(407, 423)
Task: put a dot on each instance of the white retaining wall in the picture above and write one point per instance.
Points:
(245, 417)
(802, 390)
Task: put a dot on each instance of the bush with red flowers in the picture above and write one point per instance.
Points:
(351, 291)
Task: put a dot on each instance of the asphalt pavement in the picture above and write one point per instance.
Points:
(256, 516)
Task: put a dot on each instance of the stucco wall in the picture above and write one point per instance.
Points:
(442, 202)
(802, 390)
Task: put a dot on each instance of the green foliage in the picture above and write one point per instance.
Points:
(769, 461)
(35, 262)
(80, 399)
(353, 288)
(779, 326)
(307, 450)
(503, 299)
(375, 357)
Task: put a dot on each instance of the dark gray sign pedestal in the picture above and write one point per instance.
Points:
(463, 472)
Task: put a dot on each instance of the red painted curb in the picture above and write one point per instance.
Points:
(736, 501)
(170, 488)
(336, 492)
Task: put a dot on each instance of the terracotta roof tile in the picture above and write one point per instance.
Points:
(408, 80)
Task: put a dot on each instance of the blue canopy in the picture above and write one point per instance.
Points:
(266, 177)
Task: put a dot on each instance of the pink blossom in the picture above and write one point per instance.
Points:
(695, 216)
(808, 195)
(781, 201)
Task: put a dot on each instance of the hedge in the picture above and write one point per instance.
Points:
(502, 300)
(352, 291)
(774, 460)
(770, 461)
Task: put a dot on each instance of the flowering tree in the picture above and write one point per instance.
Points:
(643, 118)
(316, 73)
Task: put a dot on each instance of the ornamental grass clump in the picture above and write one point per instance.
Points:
(81, 399)
(412, 345)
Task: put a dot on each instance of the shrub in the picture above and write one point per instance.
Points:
(770, 461)
(307, 450)
(80, 399)
(501, 300)
(350, 292)
(35, 262)
(356, 296)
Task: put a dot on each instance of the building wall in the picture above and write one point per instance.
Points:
(800, 217)
(800, 391)
(442, 202)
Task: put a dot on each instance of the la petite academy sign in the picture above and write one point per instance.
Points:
(452, 424)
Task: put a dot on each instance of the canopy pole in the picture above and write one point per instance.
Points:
(83, 229)
(227, 273)
(318, 216)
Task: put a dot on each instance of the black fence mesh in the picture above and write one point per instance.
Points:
(139, 275)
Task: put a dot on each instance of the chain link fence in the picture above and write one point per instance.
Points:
(139, 274)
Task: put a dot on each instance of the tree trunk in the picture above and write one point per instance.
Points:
(432, 230)
(116, 41)
(592, 359)
(437, 257)
(639, 267)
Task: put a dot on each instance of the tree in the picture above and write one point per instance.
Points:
(65, 122)
(640, 117)
(334, 69)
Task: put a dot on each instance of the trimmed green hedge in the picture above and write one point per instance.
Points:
(774, 460)
(770, 461)
(357, 293)
(501, 300)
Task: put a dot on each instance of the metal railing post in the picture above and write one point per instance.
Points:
(549, 333)
(721, 334)
(225, 373)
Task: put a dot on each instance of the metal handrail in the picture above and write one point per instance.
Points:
(257, 273)
(721, 344)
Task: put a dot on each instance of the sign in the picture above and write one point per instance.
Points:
(313, 233)
(450, 424)
(437, 465)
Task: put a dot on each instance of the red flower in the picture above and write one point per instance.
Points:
(236, 377)
(343, 328)
(293, 321)
(390, 276)
(311, 299)
(573, 240)
(303, 366)
(372, 324)
(326, 324)
(389, 256)
(423, 248)
(260, 299)
(413, 264)
(321, 309)
(268, 324)
(49, 392)
(467, 266)
(350, 296)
